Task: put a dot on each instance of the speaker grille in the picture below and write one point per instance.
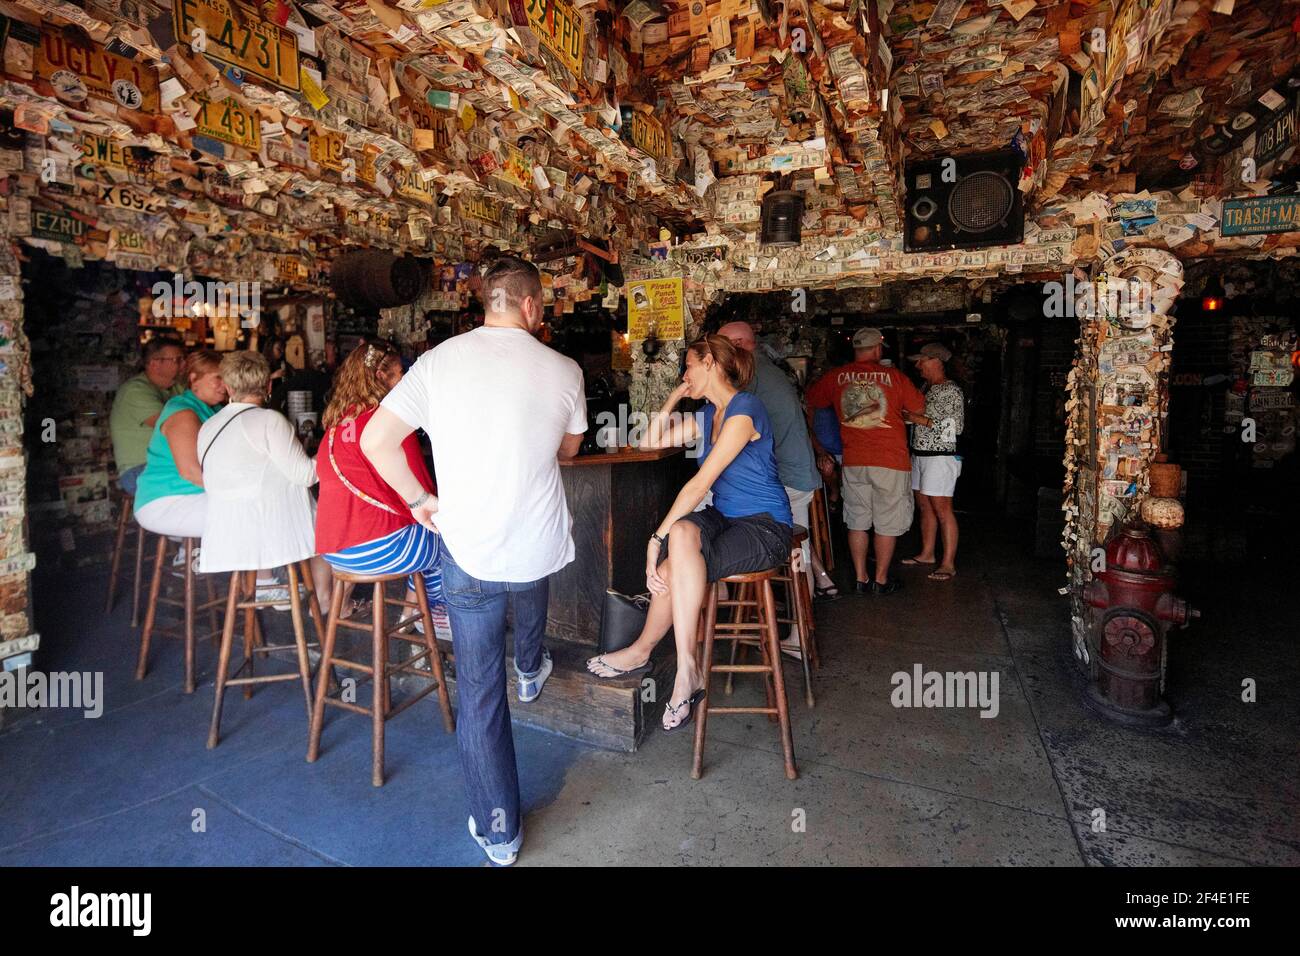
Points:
(981, 201)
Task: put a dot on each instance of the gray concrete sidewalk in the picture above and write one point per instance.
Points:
(886, 785)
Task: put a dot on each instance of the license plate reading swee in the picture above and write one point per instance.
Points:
(253, 45)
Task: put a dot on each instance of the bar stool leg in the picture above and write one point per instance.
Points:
(223, 659)
(300, 639)
(798, 587)
(323, 672)
(706, 666)
(378, 710)
(188, 545)
(778, 680)
(435, 656)
(152, 611)
(212, 610)
(250, 630)
(117, 555)
(313, 603)
(139, 575)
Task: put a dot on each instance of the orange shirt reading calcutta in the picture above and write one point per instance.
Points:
(869, 399)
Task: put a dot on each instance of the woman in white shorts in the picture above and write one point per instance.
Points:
(169, 496)
(935, 464)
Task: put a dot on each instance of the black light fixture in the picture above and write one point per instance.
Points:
(1212, 297)
(782, 222)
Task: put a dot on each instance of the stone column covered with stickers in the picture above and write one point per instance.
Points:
(16, 638)
(1118, 403)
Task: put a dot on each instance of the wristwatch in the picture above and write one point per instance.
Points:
(418, 501)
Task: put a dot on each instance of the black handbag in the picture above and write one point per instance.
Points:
(622, 621)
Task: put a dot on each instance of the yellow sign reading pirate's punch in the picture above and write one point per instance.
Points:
(229, 122)
(245, 42)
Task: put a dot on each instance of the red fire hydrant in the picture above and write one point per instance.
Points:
(1135, 594)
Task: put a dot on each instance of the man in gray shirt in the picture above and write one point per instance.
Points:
(795, 462)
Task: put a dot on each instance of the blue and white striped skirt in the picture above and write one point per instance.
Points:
(407, 550)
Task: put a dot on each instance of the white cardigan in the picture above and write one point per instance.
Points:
(256, 475)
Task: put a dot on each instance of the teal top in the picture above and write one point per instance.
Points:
(160, 479)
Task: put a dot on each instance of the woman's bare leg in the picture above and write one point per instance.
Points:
(687, 583)
(929, 528)
(947, 522)
(657, 621)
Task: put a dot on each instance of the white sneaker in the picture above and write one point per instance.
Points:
(501, 854)
(279, 593)
(530, 685)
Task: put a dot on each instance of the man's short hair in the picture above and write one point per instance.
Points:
(157, 344)
(507, 282)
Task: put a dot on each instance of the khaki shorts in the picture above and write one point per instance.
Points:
(879, 498)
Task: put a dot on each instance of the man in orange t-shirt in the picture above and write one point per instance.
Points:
(871, 401)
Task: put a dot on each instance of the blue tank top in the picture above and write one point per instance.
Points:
(749, 485)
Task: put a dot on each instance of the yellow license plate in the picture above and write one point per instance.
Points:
(249, 44)
(326, 148)
(229, 122)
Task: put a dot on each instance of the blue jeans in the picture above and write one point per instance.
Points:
(477, 610)
(127, 479)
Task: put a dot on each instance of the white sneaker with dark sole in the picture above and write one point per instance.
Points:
(500, 854)
(530, 685)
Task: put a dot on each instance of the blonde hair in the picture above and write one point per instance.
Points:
(200, 363)
(245, 373)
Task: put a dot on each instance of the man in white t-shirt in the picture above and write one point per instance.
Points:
(500, 409)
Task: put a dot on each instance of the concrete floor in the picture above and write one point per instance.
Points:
(878, 784)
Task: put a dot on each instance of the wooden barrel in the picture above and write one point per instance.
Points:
(375, 279)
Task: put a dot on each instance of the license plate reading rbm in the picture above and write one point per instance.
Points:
(249, 43)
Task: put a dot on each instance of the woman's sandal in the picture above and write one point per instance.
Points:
(689, 703)
(941, 575)
(913, 563)
(617, 672)
(830, 593)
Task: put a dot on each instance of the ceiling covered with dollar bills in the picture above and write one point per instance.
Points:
(223, 130)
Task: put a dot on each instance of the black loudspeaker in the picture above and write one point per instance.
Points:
(782, 218)
(963, 202)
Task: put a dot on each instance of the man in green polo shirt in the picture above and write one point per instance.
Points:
(137, 404)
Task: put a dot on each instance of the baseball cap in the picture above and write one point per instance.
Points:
(867, 338)
(932, 350)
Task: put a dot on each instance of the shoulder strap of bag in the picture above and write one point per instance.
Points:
(224, 426)
(349, 485)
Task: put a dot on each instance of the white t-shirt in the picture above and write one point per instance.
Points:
(496, 403)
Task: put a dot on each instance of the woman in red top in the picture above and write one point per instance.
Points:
(362, 525)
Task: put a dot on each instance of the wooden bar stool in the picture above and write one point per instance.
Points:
(186, 604)
(799, 600)
(820, 529)
(380, 671)
(244, 584)
(124, 520)
(763, 632)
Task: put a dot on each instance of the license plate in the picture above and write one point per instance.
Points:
(250, 44)
(124, 197)
(79, 69)
(229, 122)
(326, 149)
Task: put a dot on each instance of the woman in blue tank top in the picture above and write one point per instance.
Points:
(747, 528)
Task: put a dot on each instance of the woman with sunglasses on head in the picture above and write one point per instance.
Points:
(748, 527)
(362, 525)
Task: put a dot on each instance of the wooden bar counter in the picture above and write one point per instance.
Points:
(617, 499)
